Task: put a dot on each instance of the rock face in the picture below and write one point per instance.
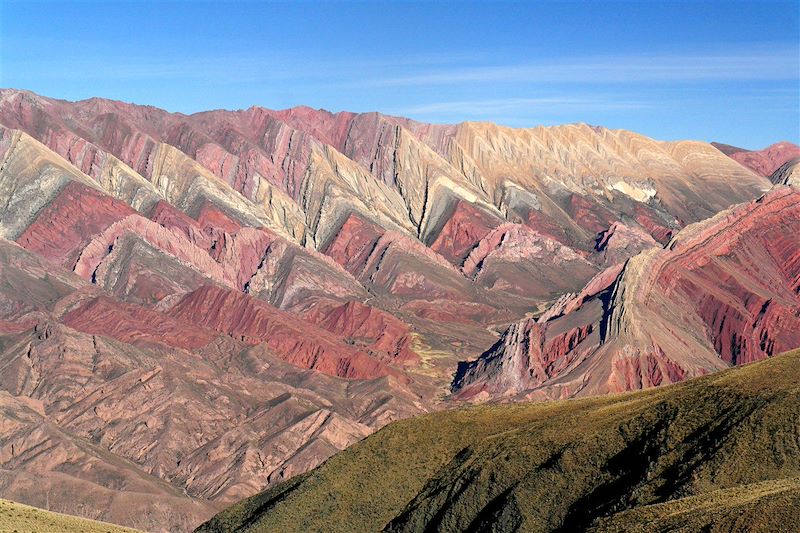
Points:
(77, 213)
(764, 162)
(462, 231)
(194, 308)
(723, 292)
(788, 173)
(250, 321)
(301, 171)
(620, 242)
(518, 259)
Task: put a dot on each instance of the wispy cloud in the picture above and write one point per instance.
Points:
(494, 107)
(776, 64)
(224, 69)
(779, 62)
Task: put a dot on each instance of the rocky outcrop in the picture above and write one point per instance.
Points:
(788, 173)
(723, 292)
(619, 242)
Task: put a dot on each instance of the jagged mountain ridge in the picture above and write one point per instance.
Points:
(287, 281)
(403, 172)
(788, 173)
(722, 292)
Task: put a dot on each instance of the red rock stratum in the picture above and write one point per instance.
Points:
(194, 308)
(724, 291)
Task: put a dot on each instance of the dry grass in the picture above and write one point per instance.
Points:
(605, 463)
(765, 506)
(19, 518)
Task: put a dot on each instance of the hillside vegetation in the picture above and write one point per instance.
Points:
(718, 453)
(16, 517)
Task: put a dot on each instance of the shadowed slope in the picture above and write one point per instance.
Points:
(788, 173)
(563, 466)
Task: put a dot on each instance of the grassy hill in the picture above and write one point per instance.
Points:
(719, 453)
(16, 517)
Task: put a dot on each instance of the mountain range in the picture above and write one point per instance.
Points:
(195, 308)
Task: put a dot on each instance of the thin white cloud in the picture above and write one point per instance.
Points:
(776, 64)
(222, 69)
(487, 107)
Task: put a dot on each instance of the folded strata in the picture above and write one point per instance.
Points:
(764, 162)
(196, 307)
(723, 292)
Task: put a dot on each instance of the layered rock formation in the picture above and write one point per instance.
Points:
(119, 411)
(302, 170)
(723, 292)
(764, 162)
(788, 173)
(197, 307)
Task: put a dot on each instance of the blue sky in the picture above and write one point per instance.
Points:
(726, 71)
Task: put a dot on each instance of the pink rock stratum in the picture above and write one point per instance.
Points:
(195, 308)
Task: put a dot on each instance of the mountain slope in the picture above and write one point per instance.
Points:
(200, 306)
(723, 292)
(310, 164)
(765, 506)
(18, 517)
(112, 409)
(763, 162)
(601, 463)
(304, 173)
